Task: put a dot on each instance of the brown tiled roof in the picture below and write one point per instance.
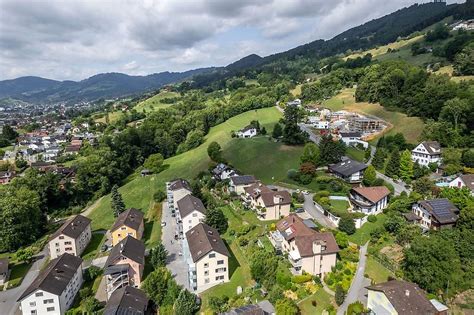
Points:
(179, 184)
(57, 275)
(129, 247)
(373, 194)
(468, 180)
(127, 301)
(256, 189)
(132, 218)
(3, 265)
(188, 204)
(73, 227)
(405, 297)
(203, 239)
(292, 227)
(283, 198)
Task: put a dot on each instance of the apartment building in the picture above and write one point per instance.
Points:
(209, 258)
(191, 212)
(128, 223)
(72, 237)
(269, 204)
(176, 190)
(54, 289)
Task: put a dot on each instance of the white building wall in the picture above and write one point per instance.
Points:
(191, 220)
(206, 273)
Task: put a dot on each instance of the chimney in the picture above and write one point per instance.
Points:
(316, 247)
(407, 292)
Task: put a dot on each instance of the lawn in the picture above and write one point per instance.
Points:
(410, 127)
(94, 246)
(269, 161)
(376, 271)
(339, 207)
(362, 235)
(113, 117)
(355, 154)
(18, 271)
(323, 300)
(154, 103)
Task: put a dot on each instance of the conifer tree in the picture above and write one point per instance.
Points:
(379, 159)
(393, 165)
(118, 206)
(406, 166)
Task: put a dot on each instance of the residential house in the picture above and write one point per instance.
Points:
(3, 270)
(54, 289)
(435, 214)
(176, 190)
(72, 237)
(261, 308)
(308, 250)
(466, 180)
(322, 124)
(127, 300)
(238, 183)
(247, 132)
(427, 152)
(296, 102)
(269, 204)
(369, 200)
(72, 149)
(209, 258)
(124, 266)
(223, 172)
(128, 223)
(353, 139)
(6, 177)
(191, 212)
(349, 170)
(401, 297)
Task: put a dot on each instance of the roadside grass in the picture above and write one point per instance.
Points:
(94, 246)
(152, 233)
(376, 271)
(410, 127)
(362, 235)
(323, 301)
(154, 103)
(267, 160)
(355, 154)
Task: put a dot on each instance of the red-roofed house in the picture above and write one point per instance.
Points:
(369, 200)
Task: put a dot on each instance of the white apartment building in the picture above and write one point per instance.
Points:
(191, 212)
(72, 237)
(427, 152)
(176, 190)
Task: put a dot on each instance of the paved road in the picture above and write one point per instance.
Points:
(8, 304)
(175, 262)
(357, 290)
(315, 211)
(312, 136)
(399, 188)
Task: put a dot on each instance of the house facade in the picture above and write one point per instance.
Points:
(369, 200)
(435, 214)
(247, 132)
(191, 212)
(124, 266)
(349, 170)
(466, 180)
(53, 291)
(308, 250)
(72, 237)
(128, 223)
(269, 204)
(353, 139)
(175, 190)
(222, 172)
(238, 183)
(427, 152)
(208, 263)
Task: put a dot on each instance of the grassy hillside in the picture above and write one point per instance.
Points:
(155, 102)
(410, 127)
(382, 50)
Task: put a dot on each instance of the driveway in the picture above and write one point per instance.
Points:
(357, 291)
(8, 304)
(176, 261)
(316, 212)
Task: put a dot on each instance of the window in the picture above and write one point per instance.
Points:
(206, 280)
(57, 250)
(119, 235)
(123, 228)
(195, 214)
(68, 243)
(219, 278)
(33, 312)
(32, 303)
(206, 272)
(61, 237)
(218, 270)
(68, 248)
(57, 244)
(48, 301)
(39, 294)
(212, 255)
(220, 262)
(50, 309)
(206, 265)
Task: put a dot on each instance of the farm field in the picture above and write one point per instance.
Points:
(382, 50)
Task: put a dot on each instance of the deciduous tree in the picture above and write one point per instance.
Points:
(216, 218)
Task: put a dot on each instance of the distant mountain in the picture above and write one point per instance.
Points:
(250, 61)
(105, 85)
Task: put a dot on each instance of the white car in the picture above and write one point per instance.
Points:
(305, 192)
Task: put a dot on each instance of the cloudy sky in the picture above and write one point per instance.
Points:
(74, 39)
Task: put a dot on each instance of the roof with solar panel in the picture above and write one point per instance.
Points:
(441, 209)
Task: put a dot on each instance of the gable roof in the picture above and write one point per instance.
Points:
(283, 198)
(442, 210)
(256, 189)
(57, 275)
(468, 180)
(130, 248)
(73, 227)
(347, 167)
(405, 297)
(247, 128)
(127, 301)
(261, 308)
(188, 204)
(178, 184)
(132, 218)
(432, 147)
(203, 239)
(243, 179)
(350, 134)
(373, 194)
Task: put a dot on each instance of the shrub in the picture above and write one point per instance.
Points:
(347, 272)
(372, 218)
(301, 278)
(243, 241)
(314, 303)
(329, 281)
(317, 280)
(347, 225)
(340, 295)
(322, 193)
(306, 179)
(292, 174)
(84, 293)
(159, 196)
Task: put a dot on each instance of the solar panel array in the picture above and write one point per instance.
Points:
(442, 209)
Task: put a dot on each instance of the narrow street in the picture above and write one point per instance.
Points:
(315, 211)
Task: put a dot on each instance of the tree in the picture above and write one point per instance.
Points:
(370, 175)
(214, 151)
(277, 131)
(347, 225)
(454, 109)
(8, 133)
(378, 161)
(342, 239)
(331, 151)
(263, 131)
(286, 307)
(154, 162)
(216, 218)
(468, 158)
(25, 254)
(310, 154)
(263, 267)
(90, 305)
(307, 168)
(156, 285)
(158, 256)
(393, 166)
(186, 303)
(340, 295)
(292, 133)
(406, 166)
(394, 223)
(452, 159)
(118, 206)
(463, 61)
(423, 186)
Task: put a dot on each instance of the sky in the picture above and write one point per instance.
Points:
(75, 39)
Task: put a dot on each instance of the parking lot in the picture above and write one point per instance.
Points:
(176, 261)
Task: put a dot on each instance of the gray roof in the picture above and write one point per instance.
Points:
(441, 209)
(128, 247)
(127, 301)
(350, 134)
(57, 275)
(179, 184)
(261, 308)
(243, 179)
(3, 265)
(433, 147)
(347, 167)
(188, 204)
(203, 239)
(73, 227)
(246, 128)
(132, 218)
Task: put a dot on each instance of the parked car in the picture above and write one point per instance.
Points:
(163, 223)
(299, 210)
(104, 248)
(305, 192)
